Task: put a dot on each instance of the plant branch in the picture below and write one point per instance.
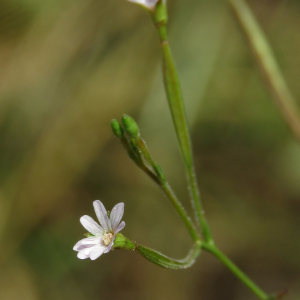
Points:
(237, 272)
(174, 95)
(159, 178)
(121, 242)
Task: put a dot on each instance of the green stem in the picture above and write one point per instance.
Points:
(267, 63)
(165, 187)
(121, 242)
(177, 109)
(138, 151)
(180, 209)
(236, 271)
(167, 262)
(160, 180)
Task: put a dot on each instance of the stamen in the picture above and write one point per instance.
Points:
(107, 238)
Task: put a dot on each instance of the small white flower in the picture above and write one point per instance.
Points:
(103, 234)
(150, 4)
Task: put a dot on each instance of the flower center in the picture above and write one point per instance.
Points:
(107, 238)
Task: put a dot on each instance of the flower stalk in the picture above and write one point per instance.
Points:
(167, 262)
(121, 242)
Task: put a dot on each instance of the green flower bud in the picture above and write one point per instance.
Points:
(130, 127)
(117, 128)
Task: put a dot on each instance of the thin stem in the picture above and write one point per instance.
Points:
(165, 187)
(138, 151)
(267, 63)
(167, 262)
(122, 242)
(174, 95)
(237, 272)
(180, 209)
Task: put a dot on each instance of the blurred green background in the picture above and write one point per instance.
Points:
(68, 68)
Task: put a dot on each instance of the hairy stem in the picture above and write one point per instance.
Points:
(180, 209)
(139, 152)
(174, 95)
(167, 262)
(237, 272)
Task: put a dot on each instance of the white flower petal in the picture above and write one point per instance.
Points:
(91, 240)
(97, 251)
(91, 226)
(101, 214)
(93, 247)
(82, 255)
(84, 247)
(85, 252)
(147, 3)
(120, 227)
(88, 242)
(116, 215)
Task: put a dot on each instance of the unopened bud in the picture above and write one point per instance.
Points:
(130, 127)
(117, 128)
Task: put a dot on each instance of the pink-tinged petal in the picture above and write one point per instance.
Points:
(91, 226)
(101, 214)
(82, 255)
(97, 251)
(84, 252)
(147, 3)
(120, 227)
(91, 240)
(88, 242)
(116, 215)
(84, 247)
(77, 245)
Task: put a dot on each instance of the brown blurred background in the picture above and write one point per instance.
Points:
(68, 68)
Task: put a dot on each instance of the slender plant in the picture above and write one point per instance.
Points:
(106, 236)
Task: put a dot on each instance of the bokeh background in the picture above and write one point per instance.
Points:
(67, 69)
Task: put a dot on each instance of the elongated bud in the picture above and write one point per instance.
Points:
(131, 127)
(117, 128)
